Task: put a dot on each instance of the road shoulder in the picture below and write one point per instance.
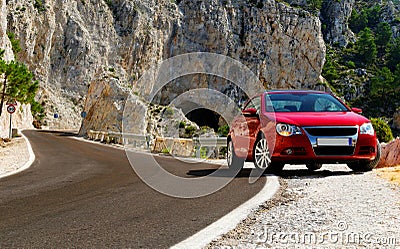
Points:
(16, 157)
(330, 208)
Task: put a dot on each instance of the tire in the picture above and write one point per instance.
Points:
(313, 166)
(262, 157)
(363, 165)
(261, 153)
(234, 162)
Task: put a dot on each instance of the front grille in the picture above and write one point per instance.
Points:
(334, 150)
(331, 131)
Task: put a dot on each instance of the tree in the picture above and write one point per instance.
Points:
(383, 34)
(366, 47)
(382, 82)
(394, 54)
(329, 70)
(315, 4)
(16, 48)
(396, 74)
(17, 83)
(373, 15)
(358, 21)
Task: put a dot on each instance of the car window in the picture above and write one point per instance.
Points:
(305, 102)
(323, 104)
(254, 103)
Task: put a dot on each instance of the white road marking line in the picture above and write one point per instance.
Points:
(232, 219)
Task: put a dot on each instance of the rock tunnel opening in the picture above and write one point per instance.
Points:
(205, 117)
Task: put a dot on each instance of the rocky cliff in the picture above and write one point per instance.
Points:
(76, 48)
(22, 118)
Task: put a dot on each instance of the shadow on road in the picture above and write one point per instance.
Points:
(244, 173)
(60, 133)
(304, 173)
(287, 174)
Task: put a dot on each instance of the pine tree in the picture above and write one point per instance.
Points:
(18, 83)
(394, 54)
(358, 21)
(366, 47)
(383, 34)
(382, 82)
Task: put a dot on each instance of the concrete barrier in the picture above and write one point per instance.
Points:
(174, 146)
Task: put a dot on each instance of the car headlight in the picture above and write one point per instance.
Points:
(367, 129)
(288, 130)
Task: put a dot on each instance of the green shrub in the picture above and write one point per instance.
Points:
(39, 5)
(382, 129)
(166, 151)
(223, 130)
(189, 131)
(351, 64)
(168, 111)
(182, 124)
(16, 48)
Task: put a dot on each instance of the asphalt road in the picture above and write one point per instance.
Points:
(84, 195)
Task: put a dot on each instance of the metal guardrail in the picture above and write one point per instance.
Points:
(144, 141)
(120, 138)
(209, 142)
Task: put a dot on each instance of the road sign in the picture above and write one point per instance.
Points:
(56, 115)
(11, 102)
(11, 108)
(83, 114)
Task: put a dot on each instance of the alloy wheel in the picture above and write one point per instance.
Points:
(262, 157)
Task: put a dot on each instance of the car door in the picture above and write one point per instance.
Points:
(253, 123)
(247, 126)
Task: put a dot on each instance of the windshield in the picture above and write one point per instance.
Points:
(303, 102)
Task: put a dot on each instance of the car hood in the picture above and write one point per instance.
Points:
(320, 118)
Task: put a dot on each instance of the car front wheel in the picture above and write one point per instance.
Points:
(363, 165)
(262, 155)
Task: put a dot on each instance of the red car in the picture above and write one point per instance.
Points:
(301, 127)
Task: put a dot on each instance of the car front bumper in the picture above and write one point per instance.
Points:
(302, 149)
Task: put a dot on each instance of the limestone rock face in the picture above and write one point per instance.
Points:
(5, 43)
(390, 10)
(335, 16)
(88, 54)
(22, 118)
(390, 154)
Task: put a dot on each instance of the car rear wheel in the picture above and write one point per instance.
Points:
(363, 165)
(313, 166)
(234, 162)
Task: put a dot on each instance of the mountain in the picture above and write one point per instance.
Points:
(88, 54)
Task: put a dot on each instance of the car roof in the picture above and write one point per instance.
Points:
(295, 91)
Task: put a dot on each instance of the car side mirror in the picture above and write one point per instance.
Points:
(356, 110)
(250, 112)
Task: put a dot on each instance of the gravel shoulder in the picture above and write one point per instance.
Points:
(13, 156)
(329, 208)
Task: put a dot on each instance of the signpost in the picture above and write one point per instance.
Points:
(11, 108)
